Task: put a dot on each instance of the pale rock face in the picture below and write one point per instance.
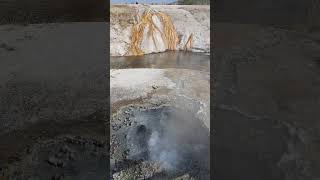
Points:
(155, 43)
(120, 40)
(187, 20)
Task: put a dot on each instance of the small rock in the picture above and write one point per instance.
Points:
(57, 177)
(7, 47)
(34, 178)
(55, 162)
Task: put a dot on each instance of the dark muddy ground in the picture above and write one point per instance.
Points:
(53, 101)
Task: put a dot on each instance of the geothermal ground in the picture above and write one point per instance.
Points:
(265, 123)
(160, 101)
(160, 124)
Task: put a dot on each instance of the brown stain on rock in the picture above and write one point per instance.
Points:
(168, 33)
(189, 42)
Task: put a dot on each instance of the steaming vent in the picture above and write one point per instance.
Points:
(169, 139)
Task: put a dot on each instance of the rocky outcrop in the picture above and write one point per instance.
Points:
(141, 29)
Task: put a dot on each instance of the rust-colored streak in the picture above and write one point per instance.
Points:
(168, 33)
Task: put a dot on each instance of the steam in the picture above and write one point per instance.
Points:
(161, 152)
(171, 139)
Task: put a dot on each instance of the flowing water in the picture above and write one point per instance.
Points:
(169, 59)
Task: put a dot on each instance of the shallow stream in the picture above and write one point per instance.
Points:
(170, 59)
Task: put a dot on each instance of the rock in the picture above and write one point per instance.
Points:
(191, 28)
(116, 127)
(57, 177)
(55, 162)
(34, 178)
(184, 177)
(7, 47)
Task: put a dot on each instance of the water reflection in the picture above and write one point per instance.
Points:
(170, 59)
